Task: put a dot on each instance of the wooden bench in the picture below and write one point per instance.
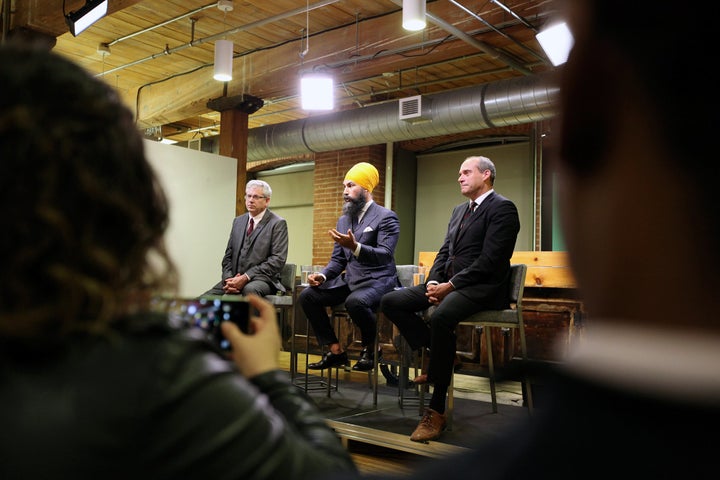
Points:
(545, 269)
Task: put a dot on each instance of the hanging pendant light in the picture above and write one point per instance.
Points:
(316, 88)
(223, 60)
(224, 48)
(316, 92)
(413, 14)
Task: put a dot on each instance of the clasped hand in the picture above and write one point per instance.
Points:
(435, 292)
(235, 284)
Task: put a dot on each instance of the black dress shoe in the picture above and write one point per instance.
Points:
(366, 362)
(330, 360)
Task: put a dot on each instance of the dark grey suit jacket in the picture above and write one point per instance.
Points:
(262, 255)
(480, 252)
(378, 232)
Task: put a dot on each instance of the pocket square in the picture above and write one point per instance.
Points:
(368, 229)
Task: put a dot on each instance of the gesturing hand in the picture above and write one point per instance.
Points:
(347, 241)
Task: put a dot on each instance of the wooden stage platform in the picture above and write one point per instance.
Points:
(350, 411)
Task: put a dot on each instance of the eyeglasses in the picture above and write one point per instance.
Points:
(254, 197)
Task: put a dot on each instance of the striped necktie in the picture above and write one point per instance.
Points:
(251, 226)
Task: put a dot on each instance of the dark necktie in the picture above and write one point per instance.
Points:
(468, 212)
(251, 225)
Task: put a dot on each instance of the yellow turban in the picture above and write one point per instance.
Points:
(363, 174)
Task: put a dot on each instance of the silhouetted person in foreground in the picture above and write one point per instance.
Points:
(94, 383)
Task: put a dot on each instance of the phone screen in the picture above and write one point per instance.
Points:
(208, 312)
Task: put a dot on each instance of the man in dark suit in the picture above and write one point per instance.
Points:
(361, 269)
(470, 273)
(257, 249)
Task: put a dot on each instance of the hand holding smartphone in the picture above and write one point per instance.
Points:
(257, 353)
(208, 312)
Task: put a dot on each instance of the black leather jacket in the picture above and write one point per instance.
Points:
(157, 403)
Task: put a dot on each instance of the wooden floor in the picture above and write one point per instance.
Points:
(378, 437)
(373, 459)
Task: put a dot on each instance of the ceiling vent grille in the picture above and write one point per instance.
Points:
(415, 109)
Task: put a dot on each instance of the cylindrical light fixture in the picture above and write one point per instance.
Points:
(413, 15)
(223, 60)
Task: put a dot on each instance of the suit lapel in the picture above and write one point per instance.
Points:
(239, 237)
(242, 228)
(260, 225)
(480, 210)
(456, 220)
(366, 220)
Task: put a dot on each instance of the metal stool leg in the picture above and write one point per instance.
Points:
(451, 402)
(404, 370)
(376, 359)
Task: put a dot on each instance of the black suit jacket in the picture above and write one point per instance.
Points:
(479, 254)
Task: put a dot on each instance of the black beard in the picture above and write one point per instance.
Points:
(353, 207)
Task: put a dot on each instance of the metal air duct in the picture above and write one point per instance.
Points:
(504, 103)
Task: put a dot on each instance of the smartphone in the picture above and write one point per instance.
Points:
(208, 312)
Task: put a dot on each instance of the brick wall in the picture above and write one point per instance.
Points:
(330, 170)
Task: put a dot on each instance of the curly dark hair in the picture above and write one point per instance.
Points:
(84, 213)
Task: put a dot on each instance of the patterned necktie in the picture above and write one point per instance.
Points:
(251, 226)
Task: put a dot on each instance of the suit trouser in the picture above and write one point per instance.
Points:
(401, 307)
(258, 287)
(361, 305)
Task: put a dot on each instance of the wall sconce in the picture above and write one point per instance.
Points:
(317, 92)
(556, 41)
(91, 12)
(223, 60)
(413, 17)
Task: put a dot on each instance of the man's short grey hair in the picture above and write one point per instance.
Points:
(267, 191)
(484, 163)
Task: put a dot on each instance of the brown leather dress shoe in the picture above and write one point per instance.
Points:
(430, 426)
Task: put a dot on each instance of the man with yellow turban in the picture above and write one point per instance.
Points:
(361, 269)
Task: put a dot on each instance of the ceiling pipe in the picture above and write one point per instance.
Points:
(510, 11)
(509, 102)
(221, 35)
(158, 25)
(489, 49)
(500, 32)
